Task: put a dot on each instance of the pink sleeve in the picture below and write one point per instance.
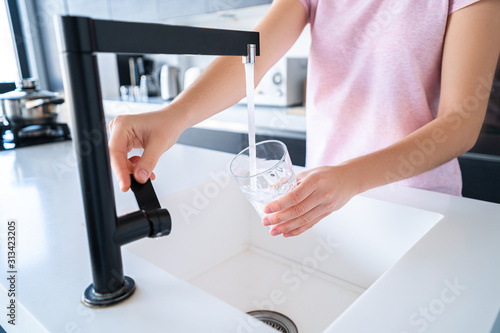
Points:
(307, 7)
(459, 4)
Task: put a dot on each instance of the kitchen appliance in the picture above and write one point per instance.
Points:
(29, 135)
(169, 82)
(28, 116)
(190, 75)
(131, 69)
(283, 84)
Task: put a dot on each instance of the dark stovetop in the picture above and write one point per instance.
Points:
(17, 137)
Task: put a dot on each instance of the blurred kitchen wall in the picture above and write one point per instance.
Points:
(158, 11)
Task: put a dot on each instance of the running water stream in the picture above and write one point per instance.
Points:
(250, 87)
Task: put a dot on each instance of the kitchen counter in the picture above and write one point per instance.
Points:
(227, 130)
(288, 122)
(448, 281)
(40, 191)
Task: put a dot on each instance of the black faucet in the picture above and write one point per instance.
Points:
(80, 38)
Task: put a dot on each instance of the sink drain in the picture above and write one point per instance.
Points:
(276, 320)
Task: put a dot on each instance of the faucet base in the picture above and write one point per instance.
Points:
(93, 299)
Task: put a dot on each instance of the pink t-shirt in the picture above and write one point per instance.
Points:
(373, 78)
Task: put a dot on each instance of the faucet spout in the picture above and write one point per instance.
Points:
(251, 54)
(79, 39)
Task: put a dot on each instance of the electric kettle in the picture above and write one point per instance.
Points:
(169, 82)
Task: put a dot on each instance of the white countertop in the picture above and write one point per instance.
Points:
(40, 190)
(448, 282)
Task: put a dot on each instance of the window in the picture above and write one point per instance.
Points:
(9, 70)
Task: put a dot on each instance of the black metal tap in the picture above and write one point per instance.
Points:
(80, 38)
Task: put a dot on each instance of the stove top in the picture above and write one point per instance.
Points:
(17, 137)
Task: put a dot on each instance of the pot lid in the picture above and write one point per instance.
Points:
(28, 89)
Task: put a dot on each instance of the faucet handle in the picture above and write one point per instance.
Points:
(150, 221)
(144, 194)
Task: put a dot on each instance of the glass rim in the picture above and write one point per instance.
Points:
(262, 172)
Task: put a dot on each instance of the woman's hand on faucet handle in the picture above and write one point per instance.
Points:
(155, 132)
(134, 159)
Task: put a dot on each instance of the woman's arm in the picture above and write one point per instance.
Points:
(221, 85)
(470, 55)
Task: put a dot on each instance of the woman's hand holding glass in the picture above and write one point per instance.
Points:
(319, 192)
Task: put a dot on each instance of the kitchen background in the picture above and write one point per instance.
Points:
(32, 23)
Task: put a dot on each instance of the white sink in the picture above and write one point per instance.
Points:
(218, 244)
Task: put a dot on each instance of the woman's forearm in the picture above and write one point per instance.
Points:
(222, 84)
(425, 149)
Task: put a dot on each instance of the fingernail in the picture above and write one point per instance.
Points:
(143, 175)
(275, 232)
(121, 185)
(268, 210)
(266, 221)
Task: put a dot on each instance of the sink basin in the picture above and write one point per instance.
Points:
(218, 244)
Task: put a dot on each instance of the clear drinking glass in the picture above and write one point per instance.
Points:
(273, 177)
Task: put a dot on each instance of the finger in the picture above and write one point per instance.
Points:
(298, 221)
(118, 151)
(303, 228)
(144, 167)
(135, 159)
(293, 212)
(292, 198)
(122, 168)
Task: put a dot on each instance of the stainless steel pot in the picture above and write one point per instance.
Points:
(28, 105)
